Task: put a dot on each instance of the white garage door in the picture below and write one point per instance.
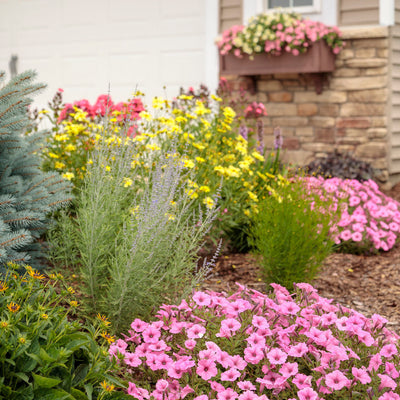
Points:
(83, 46)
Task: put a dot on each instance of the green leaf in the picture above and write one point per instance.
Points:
(35, 357)
(52, 394)
(45, 382)
(24, 393)
(89, 390)
(21, 376)
(80, 374)
(26, 363)
(78, 394)
(45, 356)
(76, 344)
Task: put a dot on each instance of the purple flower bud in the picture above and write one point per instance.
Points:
(243, 132)
(278, 139)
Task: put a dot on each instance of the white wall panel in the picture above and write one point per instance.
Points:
(85, 46)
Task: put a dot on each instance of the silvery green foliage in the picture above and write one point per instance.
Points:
(138, 244)
(27, 195)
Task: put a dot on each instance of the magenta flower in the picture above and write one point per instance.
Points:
(253, 355)
(386, 382)
(206, 369)
(388, 350)
(230, 375)
(231, 324)
(162, 385)
(202, 299)
(228, 394)
(196, 331)
(307, 394)
(151, 335)
(336, 380)
(289, 369)
(361, 375)
(138, 325)
(276, 356)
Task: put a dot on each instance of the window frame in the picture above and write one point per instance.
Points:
(314, 9)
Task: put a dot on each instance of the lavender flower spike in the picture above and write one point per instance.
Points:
(278, 139)
(244, 132)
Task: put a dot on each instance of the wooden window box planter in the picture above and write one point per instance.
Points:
(317, 61)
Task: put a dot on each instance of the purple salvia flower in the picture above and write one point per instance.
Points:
(260, 136)
(244, 132)
(278, 139)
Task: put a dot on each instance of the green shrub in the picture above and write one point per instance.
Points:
(135, 233)
(291, 233)
(42, 354)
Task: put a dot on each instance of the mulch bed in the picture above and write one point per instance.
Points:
(368, 284)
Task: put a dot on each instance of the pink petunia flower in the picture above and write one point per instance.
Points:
(336, 380)
(307, 394)
(206, 369)
(276, 356)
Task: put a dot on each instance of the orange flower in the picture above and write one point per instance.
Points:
(108, 387)
(13, 307)
(3, 286)
(108, 337)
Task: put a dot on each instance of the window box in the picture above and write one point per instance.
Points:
(318, 60)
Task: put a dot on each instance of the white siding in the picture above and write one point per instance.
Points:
(84, 46)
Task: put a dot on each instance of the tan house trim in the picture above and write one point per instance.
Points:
(358, 12)
(231, 13)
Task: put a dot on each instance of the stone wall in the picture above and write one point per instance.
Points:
(349, 115)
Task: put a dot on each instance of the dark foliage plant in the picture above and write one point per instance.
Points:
(342, 165)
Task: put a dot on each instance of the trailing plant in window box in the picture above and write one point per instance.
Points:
(277, 33)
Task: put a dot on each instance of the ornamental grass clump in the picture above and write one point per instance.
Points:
(370, 220)
(275, 33)
(253, 346)
(291, 233)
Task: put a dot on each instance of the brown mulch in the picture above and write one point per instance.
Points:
(368, 284)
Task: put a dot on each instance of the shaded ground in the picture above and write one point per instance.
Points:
(368, 284)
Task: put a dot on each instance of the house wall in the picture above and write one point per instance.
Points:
(395, 93)
(349, 115)
(358, 12)
(231, 13)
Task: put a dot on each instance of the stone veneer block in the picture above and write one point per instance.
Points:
(290, 121)
(322, 122)
(325, 135)
(307, 109)
(362, 109)
(305, 131)
(366, 62)
(318, 147)
(370, 82)
(327, 96)
(377, 133)
(329, 110)
(365, 32)
(269, 85)
(365, 53)
(371, 150)
(353, 123)
(280, 97)
(291, 143)
(372, 95)
(281, 109)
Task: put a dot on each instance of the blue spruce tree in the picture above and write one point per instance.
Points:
(27, 194)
